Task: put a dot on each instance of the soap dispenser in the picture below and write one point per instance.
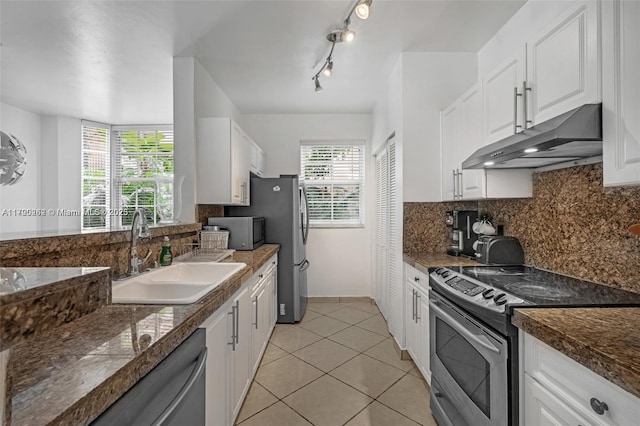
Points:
(166, 257)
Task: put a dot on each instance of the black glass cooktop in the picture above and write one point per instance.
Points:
(544, 288)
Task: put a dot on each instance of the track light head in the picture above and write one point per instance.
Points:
(362, 9)
(344, 34)
(328, 70)
(317, 83)
(348, 35)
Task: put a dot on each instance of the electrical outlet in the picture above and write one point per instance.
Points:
(282, 309)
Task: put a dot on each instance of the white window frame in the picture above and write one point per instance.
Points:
(113, 179)
(117, 180)
(357, 181)
(87, 210)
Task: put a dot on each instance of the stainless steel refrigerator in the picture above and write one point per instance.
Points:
(283, 204)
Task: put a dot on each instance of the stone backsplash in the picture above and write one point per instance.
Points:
(205, 211)
(94, 249)
(572, 225)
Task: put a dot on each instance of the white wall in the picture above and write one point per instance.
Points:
(430, 82)
(61, 171)
(195, 95)
(25, 194)
(340, 258)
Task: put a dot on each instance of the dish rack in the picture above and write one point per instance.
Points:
(211, 247)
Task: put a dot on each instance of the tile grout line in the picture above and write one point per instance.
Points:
(287, 352)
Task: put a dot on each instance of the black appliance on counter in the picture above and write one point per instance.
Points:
(461, 235)
(473, 344)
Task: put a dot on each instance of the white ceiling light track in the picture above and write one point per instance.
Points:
(344, 34)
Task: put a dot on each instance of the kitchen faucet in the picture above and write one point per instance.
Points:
(143, 232)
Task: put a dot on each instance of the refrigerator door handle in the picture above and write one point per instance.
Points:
(305, 265)
(305, 219)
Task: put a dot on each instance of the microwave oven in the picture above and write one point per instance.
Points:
(245, 233)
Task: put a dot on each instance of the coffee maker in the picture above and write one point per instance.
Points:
(461, 235)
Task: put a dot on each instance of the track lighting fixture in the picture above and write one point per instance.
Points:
(328, 69)
(361, 8)
(344, 34)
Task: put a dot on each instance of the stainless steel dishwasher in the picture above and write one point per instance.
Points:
(170, 394)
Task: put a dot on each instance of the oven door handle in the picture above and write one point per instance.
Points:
(480, 340)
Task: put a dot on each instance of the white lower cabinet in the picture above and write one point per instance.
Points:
(235, 345)
(556, 390)
(417, 319)
(262, 308)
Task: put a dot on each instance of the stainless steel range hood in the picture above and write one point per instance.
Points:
(574, 135)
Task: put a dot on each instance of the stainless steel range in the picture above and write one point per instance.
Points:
(474, 346)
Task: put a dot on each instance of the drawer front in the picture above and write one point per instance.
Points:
(576, 385)
(264, 270)
(417, 278)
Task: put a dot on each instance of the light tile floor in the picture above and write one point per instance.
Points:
(338, 366)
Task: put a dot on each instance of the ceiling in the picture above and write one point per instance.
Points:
(111, 61)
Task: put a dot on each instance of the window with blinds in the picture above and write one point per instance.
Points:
(333, 174)
(96, 176)
(143, 172)
(124, 168)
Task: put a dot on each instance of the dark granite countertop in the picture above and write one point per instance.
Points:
(25, 283)
(72, 374)
(605, 340)
(422, 261)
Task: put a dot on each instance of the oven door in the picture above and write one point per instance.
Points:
(468, 367)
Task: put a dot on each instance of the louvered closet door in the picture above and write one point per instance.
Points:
(382, 203)
(395, 291)
(388, 273)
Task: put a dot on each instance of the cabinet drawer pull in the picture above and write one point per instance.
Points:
(598, 406)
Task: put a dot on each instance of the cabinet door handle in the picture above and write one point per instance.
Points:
(454, 184)
(460, 185)
(256, 323)
(598, 406)
(413, 305)
(516, 126)
(418, 317)
(525, 107)
(242, 186)
(195, 374)
(233, 328)
(237, 323)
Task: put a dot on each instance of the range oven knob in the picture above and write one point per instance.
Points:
(488, 293)
(500, 299)
(439, 271)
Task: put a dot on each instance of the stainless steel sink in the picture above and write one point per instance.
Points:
(178, 284)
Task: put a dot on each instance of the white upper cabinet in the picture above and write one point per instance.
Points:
(223, 161)
(257, 160)
(450, 141)
(502, 93)
(621, 92)
(554, 72)
(471, 131)
(563, 69)
(461, 136)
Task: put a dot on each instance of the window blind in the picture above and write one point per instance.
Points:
(96, 176)
(143, 164)
(333, 174)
